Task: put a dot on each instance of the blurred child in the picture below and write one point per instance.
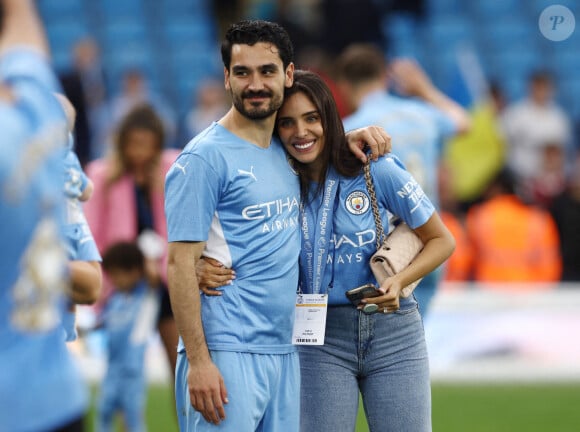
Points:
(81, 248)
(128, 318)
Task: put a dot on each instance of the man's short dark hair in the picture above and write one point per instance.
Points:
(361, 62)
(123, 256)
(250, 32)
(542, 76)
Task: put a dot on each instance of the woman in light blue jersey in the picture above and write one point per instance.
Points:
(383, 355)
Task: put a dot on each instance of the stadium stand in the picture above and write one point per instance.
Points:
(176, 41)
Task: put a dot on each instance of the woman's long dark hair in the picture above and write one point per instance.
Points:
(140, 117)
(335, 152)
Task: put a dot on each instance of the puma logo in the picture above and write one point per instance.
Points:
(248, 173)
(181, 167)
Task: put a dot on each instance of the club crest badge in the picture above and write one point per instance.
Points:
(357, 202)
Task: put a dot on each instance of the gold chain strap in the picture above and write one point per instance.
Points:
(371, 188)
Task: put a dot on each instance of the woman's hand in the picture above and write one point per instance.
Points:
(212, 274)
(388, 301)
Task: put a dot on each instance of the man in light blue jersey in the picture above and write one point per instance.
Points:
(418, 126)
(40, 388)
(232, 196)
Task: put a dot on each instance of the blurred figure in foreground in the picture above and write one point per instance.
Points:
(512, 241)
(84, 264)
(40, 387)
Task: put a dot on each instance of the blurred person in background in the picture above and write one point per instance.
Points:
(565, 209)
(128, 319)
(418, 125)
(528, 125)
(136, 91)
(474, 157)
(40, 386)
(458, 266)
(512, 241)
(129, 198)
(85, 86)
(210, 102)
(550, 180)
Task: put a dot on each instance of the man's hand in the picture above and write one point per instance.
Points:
(374, 138)
(207, 391)
(409, 78)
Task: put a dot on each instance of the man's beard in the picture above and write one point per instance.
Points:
(255, 113)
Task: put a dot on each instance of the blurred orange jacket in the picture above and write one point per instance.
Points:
(458, 266)
(513, 242)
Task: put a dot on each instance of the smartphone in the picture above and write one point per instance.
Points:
(355, 295)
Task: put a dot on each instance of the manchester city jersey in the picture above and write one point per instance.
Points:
(353, 240)
(41, 388)
(121, 320)
(417, 129)
(243, 200)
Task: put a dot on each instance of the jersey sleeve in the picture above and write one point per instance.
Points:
(192, 190)
(76, 180)
(33, 118)
(400, 193)
(22, 64)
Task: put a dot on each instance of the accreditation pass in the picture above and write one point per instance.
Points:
(310, 319)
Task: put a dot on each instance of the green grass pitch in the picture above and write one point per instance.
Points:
(456, 408)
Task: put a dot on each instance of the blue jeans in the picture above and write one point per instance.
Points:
(382, 356)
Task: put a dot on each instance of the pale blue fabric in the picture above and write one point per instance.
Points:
(41, 388)
(123, 388)
(244, 201)
(263, 392)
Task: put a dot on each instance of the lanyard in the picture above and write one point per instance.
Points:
(316, 235)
